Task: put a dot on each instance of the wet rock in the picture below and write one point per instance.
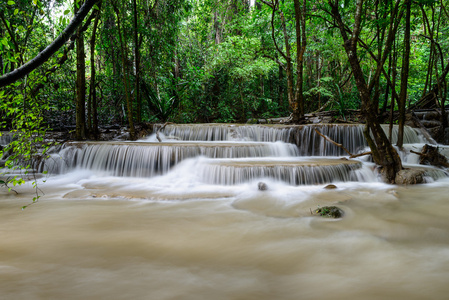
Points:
(262, 186)
(330, 212)
(410, 176)
(430, 123)
(330, 187)
(124, 136)
(327, 119)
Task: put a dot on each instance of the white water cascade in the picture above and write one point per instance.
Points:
(304, 136)
(186, 218)
(236, 154)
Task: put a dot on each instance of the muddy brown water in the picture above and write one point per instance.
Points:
(125, 238)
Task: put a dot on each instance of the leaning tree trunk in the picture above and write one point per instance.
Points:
(384, 154)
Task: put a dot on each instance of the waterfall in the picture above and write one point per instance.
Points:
(294, 172)
(224, 132)
(144, 159)
(233, 154)
(304, 136)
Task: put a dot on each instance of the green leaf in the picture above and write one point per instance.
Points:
(66, 12)
(11, 2)
(16, 11)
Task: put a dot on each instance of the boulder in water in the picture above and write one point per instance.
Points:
(410, 176)
(262, 186)
(330, 187)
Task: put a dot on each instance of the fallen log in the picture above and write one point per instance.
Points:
(430, 155)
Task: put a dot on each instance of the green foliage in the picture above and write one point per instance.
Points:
(28, 149)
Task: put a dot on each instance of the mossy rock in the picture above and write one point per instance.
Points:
(330, 212)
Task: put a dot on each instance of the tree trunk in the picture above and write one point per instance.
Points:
(280, 89)
(404, 76)
(138, 99)
(80, 131)
(293, 103)
(301, 43)
(126, 83)
(393, 91)
(92, 102)
(289, 70)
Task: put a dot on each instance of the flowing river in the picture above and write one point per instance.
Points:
(185, 219)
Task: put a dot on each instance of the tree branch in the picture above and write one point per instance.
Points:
(65, 56)
(43, 56)
(341, 146)
(275, 59)
(272, 31)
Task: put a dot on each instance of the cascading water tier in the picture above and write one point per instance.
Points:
(299, 171)
(235, 153)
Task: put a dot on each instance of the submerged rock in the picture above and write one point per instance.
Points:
(330, 212)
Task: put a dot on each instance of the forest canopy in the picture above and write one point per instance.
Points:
(220, 61)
